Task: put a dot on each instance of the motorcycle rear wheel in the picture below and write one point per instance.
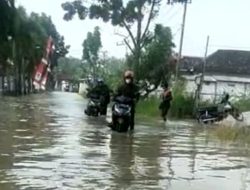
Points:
(236, 114)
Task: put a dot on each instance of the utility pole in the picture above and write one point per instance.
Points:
(181, 39)
(200, 83)
(203, 67)
(205, 57)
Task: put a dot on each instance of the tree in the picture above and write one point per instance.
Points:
(126, 15)
(23, 38)
(49, 28)
(155, 69)
(130, 15)
(91, 47)
(6, 25)
(113, 71)
(69, 67)
(177, 1)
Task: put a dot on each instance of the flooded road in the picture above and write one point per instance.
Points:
(46, 142)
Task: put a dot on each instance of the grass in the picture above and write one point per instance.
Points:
(234, 134)
(181, 107)
(148, 107)
(243, 104)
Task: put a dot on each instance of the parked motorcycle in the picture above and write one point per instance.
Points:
(217, 113)
(121, 113)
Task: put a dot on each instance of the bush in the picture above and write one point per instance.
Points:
(243, 104)
(149, 107)
(182, 104)
(181, 107)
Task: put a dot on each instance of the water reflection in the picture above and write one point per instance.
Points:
(123, 161)
(46, 142)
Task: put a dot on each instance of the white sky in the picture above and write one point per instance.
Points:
(226, 21)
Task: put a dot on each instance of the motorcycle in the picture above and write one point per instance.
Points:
(93, 106)
(121, 113)
(217, 113)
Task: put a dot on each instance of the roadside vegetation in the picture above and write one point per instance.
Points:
(233, 134)
(181, 107)
(243, 104)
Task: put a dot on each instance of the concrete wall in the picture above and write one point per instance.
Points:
(215, 89)
(83, 88)
(236, 89)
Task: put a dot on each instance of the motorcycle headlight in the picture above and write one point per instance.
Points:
(117, 109)
(91, 103)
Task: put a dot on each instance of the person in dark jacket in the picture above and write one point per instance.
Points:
(225, 99)
(166, 102)
(129, 89)
(103, 92)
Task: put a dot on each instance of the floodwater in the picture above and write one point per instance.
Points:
(46, 142)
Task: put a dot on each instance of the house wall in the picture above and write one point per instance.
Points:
(190, 86)
(234, 89)
(247, 88)
(208, 92)
(213, 91)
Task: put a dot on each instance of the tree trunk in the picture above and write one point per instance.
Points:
(9, 81)
(29, 85)
(19, 78)
(3, 84)
(138, 40)
(3, 78)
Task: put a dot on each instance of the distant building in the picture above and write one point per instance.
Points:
(226, 71)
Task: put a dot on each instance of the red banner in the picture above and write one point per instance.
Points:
(41, 70)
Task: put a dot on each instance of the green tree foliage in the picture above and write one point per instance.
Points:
(6, 29)
(113, 71)
(150, 51)
(154, 68)
(126, 14)
(23, 39)
(177, 1)
(69, 67)
(91, 48)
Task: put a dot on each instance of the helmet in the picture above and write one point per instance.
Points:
(100, 81)
(129, 74)
(165, 84)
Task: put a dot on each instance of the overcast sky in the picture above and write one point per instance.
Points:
(226, 21)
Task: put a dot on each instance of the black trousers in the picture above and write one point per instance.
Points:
(164, 107)
(103, 109)
(132, 118)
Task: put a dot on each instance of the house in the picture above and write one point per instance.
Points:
(226, 71)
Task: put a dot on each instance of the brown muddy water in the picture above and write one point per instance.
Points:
(46, 142)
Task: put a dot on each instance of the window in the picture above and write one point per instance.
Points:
(231, 84)
(207, 83)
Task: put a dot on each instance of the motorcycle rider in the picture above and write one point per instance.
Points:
(166, 101)
(226, 104)
(225, 99)
(102, 91)
(129, 89)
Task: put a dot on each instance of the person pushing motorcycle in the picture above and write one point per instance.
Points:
(129, 89)
(101, 90)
